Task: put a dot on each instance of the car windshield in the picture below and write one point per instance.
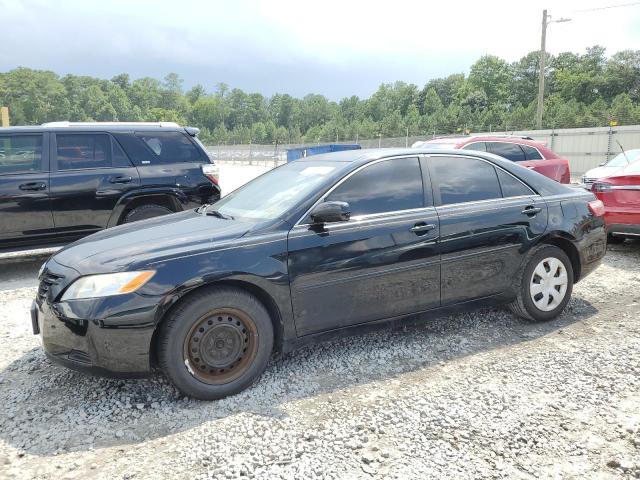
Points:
(620, 160)
(274, 193)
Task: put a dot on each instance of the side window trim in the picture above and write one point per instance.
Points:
(54, 151)
(533, 192)
(302, 221)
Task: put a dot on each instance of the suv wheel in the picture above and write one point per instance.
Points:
(544, 285)
(217, 342)
(145, 211)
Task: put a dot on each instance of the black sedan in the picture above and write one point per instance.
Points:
(311, 250)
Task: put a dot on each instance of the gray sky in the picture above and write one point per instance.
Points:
(337, 48)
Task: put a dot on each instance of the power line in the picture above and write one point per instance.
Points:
(607, 7)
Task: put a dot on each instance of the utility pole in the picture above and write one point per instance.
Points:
(543, 54)
(546, 20)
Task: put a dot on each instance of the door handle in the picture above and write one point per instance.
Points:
(531, 211)
(121, 179)
(422, 227)
(33, 186)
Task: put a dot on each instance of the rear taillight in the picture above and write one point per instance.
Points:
(210, 170)
(596, 207)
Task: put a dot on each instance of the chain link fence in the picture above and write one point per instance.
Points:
(585, 148)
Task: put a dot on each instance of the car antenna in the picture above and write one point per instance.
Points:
(623, 152)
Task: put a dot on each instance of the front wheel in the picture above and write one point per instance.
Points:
(216, 343)
(544, 285)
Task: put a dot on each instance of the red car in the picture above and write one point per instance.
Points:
(620, 194)
(524, 150)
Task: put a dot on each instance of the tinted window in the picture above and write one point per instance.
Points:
(120, 158)
(479, 146)
(531, 153)
(464, 179)
(170, 147)
(511, 186)
(20, 153)
(83, 151)
(510, 151)
(386, 186)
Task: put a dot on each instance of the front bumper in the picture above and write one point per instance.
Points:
(109, 336)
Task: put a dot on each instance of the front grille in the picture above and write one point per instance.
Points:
(47, 281)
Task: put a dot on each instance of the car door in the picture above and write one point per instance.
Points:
(488, 217)
(381, 263)
(25, 208)
(91, 172)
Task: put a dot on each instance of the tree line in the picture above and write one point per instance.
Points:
(588, 89)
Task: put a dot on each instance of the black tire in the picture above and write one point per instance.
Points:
(524, 305)
(144, 212)
(202, 326)
(615, 239)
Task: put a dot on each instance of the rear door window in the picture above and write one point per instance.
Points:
(461, 180)
(510, 151)
(387, 186)
(531, 153)
(170, 147)
(83, 151)
(20, 153)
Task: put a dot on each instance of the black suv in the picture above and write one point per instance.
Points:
(62, 181)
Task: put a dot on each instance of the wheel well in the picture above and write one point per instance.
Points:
(161, 200)
(259, 293)
(572, 252)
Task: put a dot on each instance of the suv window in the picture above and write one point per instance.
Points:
(531, 153)
(510, 151)
(464, 179)
(479, 146)
(20, 153)
(386, 186)
(84, 150)
(511, 186)
(170, 147)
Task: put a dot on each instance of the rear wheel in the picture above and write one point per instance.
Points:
(545, 284)
(217, 342)
(144, 212)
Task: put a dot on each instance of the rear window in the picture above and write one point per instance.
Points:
(169, 147)
(20, 154)
(531, 153)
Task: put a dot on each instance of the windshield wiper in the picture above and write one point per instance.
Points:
(216, 213)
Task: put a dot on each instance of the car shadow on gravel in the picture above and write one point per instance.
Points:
(48, 409)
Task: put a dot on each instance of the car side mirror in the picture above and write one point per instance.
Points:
(328, 212)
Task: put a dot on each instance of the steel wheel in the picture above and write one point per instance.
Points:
(220, 346)
(548, 285)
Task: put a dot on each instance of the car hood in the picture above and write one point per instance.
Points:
(600, 172)
(118, 248)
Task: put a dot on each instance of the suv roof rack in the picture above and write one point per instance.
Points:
(110, 124)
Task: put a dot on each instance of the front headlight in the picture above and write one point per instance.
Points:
(105, 285)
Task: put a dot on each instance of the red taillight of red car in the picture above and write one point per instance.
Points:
(596, 207)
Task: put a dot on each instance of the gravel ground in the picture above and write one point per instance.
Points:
(475, 395)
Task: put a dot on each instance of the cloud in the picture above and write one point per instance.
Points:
(333, 47)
